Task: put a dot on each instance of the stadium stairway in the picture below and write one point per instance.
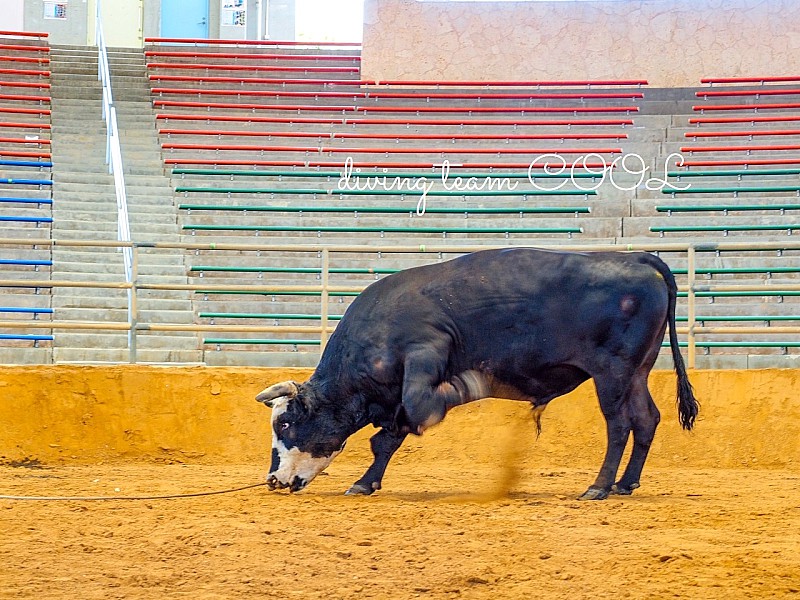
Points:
(86, 210)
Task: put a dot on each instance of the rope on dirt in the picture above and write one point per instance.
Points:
(102, 498)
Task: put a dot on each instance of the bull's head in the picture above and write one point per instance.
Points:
(306, 434)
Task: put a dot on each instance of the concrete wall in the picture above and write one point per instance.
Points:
(86, 414)
(668, 42)
(72, 30)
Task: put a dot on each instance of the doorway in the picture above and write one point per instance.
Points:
(184, 19)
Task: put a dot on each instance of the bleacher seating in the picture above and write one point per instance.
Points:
(231, 182)
(25, 183)
(736, 179)
(736, 183)
(256, 140)
(213, 110)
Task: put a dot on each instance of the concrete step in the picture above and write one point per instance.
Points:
(74, 79)
(28, 355)
(25, 298)
(120, 315)
(119, 355)
(95, 274)
(26, 274)
(167, 301)
(145, 210)
(118, 340)
(25, 231)
(77, 182)
(62, 266)
(228, 357)
(147, 258)
(108, 229)
(142, 237)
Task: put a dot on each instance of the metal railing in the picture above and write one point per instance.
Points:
(328, 254)
(114, 161)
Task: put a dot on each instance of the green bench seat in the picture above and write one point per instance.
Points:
(435, 174)
(739, 318)
(393, 210)
(297, 270)
(271, 316)
(738, 270)
(382, 192)
(741, 294)
(762, 189)
(245, 292)
(662, 229)
(740, 344)
(261, 341)
(383, 230)
(724, 208)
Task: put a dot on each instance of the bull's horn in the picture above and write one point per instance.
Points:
(286, 389)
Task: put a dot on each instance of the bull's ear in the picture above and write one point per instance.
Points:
(285, 389)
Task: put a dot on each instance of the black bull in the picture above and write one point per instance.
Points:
(521, 323)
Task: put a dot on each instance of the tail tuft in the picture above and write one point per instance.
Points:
(688, 406)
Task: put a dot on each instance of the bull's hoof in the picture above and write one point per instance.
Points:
(594, 493)
(620, 489)
(359, 490)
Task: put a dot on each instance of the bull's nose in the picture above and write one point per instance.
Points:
(274, 483)
(297, 484)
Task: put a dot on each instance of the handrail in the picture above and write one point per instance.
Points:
(324, 289)
(114, 161)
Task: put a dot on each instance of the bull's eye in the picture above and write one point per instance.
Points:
(284, 426)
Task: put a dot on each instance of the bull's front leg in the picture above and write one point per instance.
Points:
(384, 444)
(427, 395)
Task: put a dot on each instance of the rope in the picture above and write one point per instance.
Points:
(103, 498)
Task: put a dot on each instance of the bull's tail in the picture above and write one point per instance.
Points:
(687, 403)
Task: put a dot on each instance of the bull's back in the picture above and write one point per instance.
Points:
(518, 308)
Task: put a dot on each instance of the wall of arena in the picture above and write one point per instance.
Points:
(91, 414)
(671, 43)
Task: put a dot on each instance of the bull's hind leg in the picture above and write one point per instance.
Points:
(384, 444)
(612, 395)
(644, 418)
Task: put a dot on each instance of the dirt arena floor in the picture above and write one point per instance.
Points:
(478, 507)
(431, 533)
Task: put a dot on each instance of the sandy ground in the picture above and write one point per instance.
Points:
(478, 507)
(449, 529)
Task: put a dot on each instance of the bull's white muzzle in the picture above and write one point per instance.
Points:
(296, 469)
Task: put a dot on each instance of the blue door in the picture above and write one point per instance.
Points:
(184, 19)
